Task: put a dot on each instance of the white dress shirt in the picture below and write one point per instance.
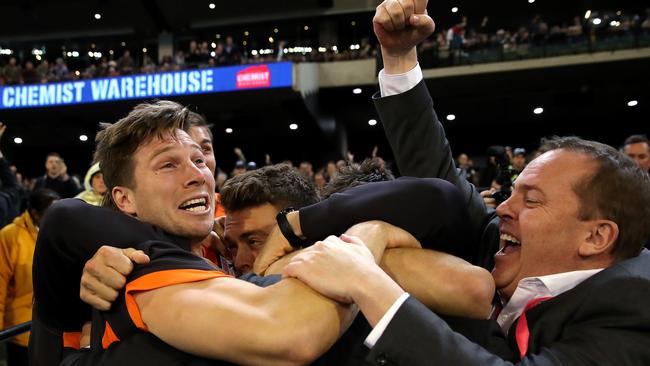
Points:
(531, 288)
(399, 83)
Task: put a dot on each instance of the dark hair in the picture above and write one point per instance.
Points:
(198, 120)
(117, 142)
(617, 190)
(41, 199)
(279, 184)
(635, 139)
(369, 170)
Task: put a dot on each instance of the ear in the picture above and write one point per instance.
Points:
(600, 238)
(125, 200)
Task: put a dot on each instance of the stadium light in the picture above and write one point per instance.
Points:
(356, 91)
(372, 122)
(632, 103)
(293, 126)
(588, 14)
(597, 21)
(538, 110)
(83, 138)
(451, 117)
(228, 130)
(454, 9)
(98, 16)
(275, 30)
(18, 140)
(531, 1)
(212, 6)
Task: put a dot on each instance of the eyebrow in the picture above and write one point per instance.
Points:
(163, 150)
(528, 187)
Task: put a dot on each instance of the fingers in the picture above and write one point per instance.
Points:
(420, 6)
(95, 293)
(136, 256)
(423, 23)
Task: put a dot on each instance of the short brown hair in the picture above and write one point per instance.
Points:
(117, 142)
(280, 185)
(618, 190)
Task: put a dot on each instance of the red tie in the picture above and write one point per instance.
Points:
(522, 334)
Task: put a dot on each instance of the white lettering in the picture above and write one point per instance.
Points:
(113, 89)
(47, 94)
(195, 82)
(99, 89)
(167, 84)
(127, 87)
(206, 80)
(79, 85)
(140, 86)
(7, 97)
(180, 82)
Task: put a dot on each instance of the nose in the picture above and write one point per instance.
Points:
(244, 259)
(505, 209)
(195, 176)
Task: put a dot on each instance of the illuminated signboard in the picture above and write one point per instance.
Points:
(198, 81)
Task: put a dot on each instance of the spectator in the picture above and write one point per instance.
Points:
(306, 170)
(60, 70)
(125, 64)
(10, 190)
(518, 160)
(95, 189)
(43, 70)
(231, 53)
(56, 177)
(17, 243)
(637, 147)
(12, 72)
(465, 169)
(30, 75)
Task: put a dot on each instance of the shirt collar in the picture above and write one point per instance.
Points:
(531, 288)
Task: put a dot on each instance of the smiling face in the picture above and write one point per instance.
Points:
(540, 228)
(172, 187)
(246, 232)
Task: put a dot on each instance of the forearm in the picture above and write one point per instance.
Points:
(287, 323)
(399, 64)
(444, 283)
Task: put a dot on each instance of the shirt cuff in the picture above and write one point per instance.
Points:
(378, 330)
(399, 83)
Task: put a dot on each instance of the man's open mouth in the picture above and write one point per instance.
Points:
(195, 205)
(510, 244)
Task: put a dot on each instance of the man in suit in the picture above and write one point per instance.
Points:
(570, 240)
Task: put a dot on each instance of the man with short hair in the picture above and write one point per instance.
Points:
(252, 201)
(157, 174)
(56, 177)
(570, 273)
(637, 147)
(561, 234)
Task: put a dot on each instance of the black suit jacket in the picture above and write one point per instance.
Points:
(421, 149)
(602, 321)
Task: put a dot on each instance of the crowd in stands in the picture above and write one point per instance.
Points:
(455, 42)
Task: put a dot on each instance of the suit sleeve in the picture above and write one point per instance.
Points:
(600, 324)
(430, 209)
(421, 149)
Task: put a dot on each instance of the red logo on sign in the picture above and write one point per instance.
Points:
(254, 77)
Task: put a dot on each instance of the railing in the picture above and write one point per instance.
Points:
(5, 334)
(433, 57)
